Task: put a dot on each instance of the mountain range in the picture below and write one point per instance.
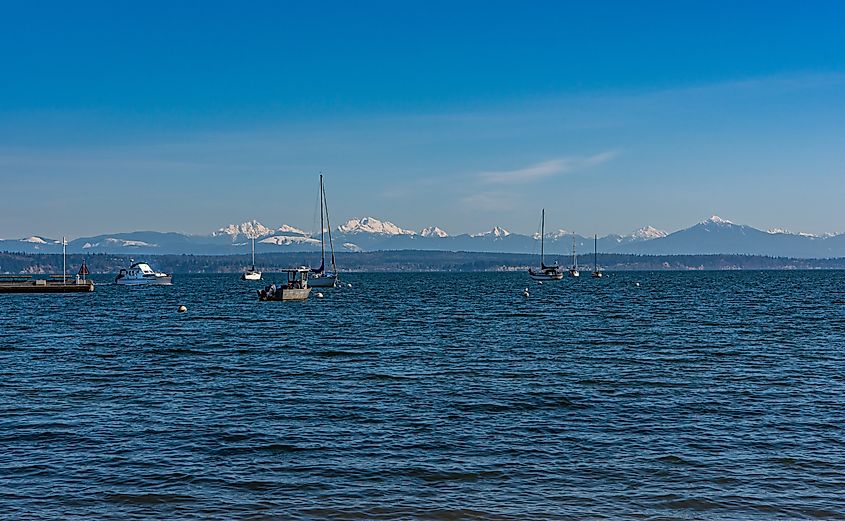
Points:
(711, 236)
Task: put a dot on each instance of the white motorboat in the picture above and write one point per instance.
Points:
(252, 273)
(544, 272)
(140, 273)
(320, 277)
(296, 287)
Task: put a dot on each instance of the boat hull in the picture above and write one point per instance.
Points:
(251, 275)
(166, 280)
(545, 276)
(328, 281)
(284, 294)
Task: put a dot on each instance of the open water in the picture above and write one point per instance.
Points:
(442, 396)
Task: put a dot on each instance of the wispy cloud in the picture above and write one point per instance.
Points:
(545, 169)
(489, 201)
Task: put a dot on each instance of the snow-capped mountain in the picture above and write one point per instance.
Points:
(715, 219)
(782, 231)
(433, 231)
(287, 240)
(647, 233)
(559, 234)
(39, 240)
(714, 235)
(717, 235)
(372, 225)
(497, 232)
(247, 230)
(290, 230)
(119, 243)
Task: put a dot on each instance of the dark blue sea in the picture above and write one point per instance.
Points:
(695, 395)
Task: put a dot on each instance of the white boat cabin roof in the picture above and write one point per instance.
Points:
(143, 266)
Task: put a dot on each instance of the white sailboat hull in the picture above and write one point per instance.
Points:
(324, 281)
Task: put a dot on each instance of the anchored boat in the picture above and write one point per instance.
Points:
(296, 287)
(574, 269)
(544, 272)
(141, 274)
(320, 278)
(597, 274)
(252, 273)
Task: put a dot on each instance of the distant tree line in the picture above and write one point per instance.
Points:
(402, 260)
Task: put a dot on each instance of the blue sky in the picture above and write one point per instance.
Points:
(121, 116)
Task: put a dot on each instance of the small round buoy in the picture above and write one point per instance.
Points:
(525, 292)
(637, 284)
(319, 295)
(182, 309)
(348, 285)
(539, 282)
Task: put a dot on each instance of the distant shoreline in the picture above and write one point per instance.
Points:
(407, 261)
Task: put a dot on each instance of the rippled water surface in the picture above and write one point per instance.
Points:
(446, 396)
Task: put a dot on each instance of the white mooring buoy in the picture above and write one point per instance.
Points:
(319, 295)
(525, 292)
(182, 309)
(348, 285)
(637, 284)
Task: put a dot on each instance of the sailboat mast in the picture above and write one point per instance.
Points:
(595, 252)
(253, 254)
(322, 227)
(542, 237)
(328, 223)
(64, 260)
(574, 257)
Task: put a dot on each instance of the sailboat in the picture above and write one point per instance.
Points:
(320, 278)
(574, 269)
(552, 272)
(596, 273)
(252, 273)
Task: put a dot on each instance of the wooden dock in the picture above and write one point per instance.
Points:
(55, 284)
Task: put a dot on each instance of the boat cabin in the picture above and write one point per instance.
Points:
(297, 277)
(296, 287)
(141, 267)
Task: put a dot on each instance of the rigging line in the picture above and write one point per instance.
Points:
(537, 235)
(322, 227)
(317, 206)
(328, 222)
